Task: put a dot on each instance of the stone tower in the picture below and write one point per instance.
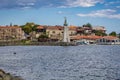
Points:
(65, 32)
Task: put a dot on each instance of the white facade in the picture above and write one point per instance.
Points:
(66, 37)
(108, 41)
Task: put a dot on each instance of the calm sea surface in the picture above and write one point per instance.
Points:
(85, 62)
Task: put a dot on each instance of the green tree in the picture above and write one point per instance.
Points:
(43, 37)
(99, 33)
(87, 25)
(113, 34)
(29, 27)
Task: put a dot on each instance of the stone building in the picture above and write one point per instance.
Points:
(84, 30)
(11, 33)
(40, 30)
(72, 30)
(100, 28)
(55, 33)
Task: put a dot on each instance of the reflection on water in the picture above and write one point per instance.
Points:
(95, 62)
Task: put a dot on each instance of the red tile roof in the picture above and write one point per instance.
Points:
(55, 27)
(91, 37)
(110, 37)
(40, 27)
(8, 27)
(72, 27)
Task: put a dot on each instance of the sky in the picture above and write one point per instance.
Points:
(52, 12)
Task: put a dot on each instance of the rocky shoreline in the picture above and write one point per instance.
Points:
(8, 76)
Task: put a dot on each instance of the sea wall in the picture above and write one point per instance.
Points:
(19, 43)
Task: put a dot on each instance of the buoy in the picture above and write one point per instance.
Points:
(14, 53)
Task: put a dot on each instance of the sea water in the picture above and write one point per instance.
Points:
(84, 62)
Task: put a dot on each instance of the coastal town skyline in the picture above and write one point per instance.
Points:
(78, 12)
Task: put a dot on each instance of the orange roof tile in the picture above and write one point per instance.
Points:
(94, 37)
(8, 27)
(55, 27)
(72, 27)
(91, 37)
(40, 27)
(109, 37)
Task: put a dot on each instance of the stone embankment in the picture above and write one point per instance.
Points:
(8, 76)
(37, 44)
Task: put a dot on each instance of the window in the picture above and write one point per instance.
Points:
(113, 41)
(104, 40)
(53, 31)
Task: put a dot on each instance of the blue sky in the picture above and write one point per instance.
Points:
(52, 12)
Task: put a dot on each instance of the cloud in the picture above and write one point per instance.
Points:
(118, 7)
(60, 12)
(115, 2)
(105, 13)
(8, 4)
(83, 3)
(26, 4)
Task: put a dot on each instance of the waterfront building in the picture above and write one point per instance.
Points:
(11, 33)
(66, 37)
(84, 30)
(82, 39)
(40, 30)
(55, 33)
(72, 30)
(108, 40)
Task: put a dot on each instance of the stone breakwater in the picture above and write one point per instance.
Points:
(8, 76)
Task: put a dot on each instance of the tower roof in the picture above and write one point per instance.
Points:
(65, 22)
